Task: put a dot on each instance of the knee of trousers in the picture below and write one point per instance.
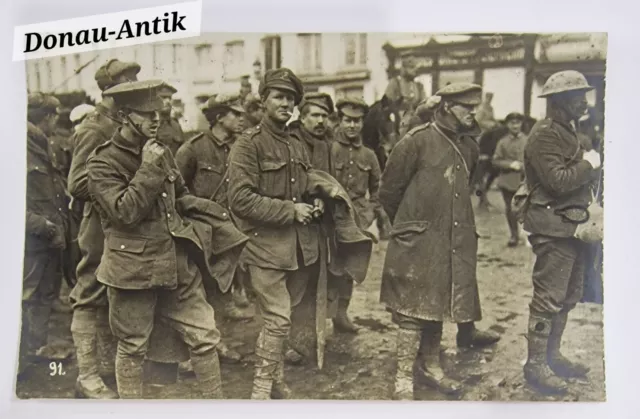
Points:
(84, 320)
(205, 342)
(132, 346)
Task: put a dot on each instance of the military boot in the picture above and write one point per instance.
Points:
(560, 365)
(232, 312)
(269, 352)
(280, 390)
(470, 337)
(342, 323)
(89, 383)
(536, 370)
(37, 316)
(228, 355)
(207, 370)
(407, 344)
(430, 369)
(129, 373)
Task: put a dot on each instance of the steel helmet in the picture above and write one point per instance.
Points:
(565, 81)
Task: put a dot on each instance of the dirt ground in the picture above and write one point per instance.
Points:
(362, 367)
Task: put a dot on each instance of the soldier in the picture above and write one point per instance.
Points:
(406, 92)
(253, 110)
(358, 171)
(509, 159)
(268, 176)
(90, 324)
(169, 132)
(558, 174)
(428, 168)
(203, 162)
(148, 264)
(79, 113)
(46, 220)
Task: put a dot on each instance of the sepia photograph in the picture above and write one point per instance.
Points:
(318, 216)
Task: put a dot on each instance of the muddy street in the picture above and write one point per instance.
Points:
(362, 366)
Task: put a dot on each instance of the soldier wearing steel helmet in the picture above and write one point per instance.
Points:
(148, 265)
(428, 168)
(90, 323)
(558, 174)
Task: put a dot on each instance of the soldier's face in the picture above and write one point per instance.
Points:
(514, 126)
(166, 104)
(50, 122)
(145, 122)
(278, 105)
(576, 104)
(464, 114)
(232, 122)
(351, 126)
(315, 120)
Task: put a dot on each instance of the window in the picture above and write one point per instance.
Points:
(350, 92)
(63, 72)
(310, 52)
(203, 54)
(49, 70)
(355, 49)
(233, 59)
(272, 52)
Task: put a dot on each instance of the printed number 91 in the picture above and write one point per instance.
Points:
(56, 369)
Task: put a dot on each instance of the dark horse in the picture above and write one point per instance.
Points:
(381, 127)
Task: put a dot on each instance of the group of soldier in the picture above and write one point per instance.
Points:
(170, 226)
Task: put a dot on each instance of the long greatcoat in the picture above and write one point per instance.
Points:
(430, 267)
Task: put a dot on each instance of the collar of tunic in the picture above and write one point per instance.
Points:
(122, 142)
(279, 133)
(342, 139)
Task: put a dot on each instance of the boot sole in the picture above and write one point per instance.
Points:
(543, 389)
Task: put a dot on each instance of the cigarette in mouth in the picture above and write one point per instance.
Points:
(289, 113)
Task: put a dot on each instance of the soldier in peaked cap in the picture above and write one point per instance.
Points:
(558, 172)
(146, 265)
(203, 162)
(46, 219)
(169, 131)
(430, 166)
(405, 92)
(268, 176)
(357, 169)
(90, 324)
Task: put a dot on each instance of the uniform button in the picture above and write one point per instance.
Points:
(224, 214)
(294, 200)
(351, 162)
(455, 223)
(164, 194)
(453, 251)
(209, 167)
(458, 167)
(122, 246)
(172, 233)
(37, 167)
(255, 234)
(457, 195)
(172, 177)
(291, 160)
(293, 180)
(168, 215)
(548, 206)
(350, 176)
(227, 180)
(60, 209)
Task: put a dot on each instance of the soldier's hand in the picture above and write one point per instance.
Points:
(303, 213)
(152, 152)
(56, 235)
(592, 157)
(516, 165)
(318, 207)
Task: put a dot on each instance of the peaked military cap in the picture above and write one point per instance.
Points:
(112, 69)
(353, 107)
(137, 95)
(223, 101)
(283, 79)
(321, 100)
(43, 101)
(464, 93)
(514, 115)
(166, 89)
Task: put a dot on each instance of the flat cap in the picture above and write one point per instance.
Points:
(108, 73)
(321, 100)
(283, 79)
(223, 101)
(166, 89)
(137, 95)
(80, 111)
(353, 107)
(464, 93)
(43, 101)
(514, 115)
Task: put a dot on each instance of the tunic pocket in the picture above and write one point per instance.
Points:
(405, 233)
(273, 178)
(208, 176)
(126, 244)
